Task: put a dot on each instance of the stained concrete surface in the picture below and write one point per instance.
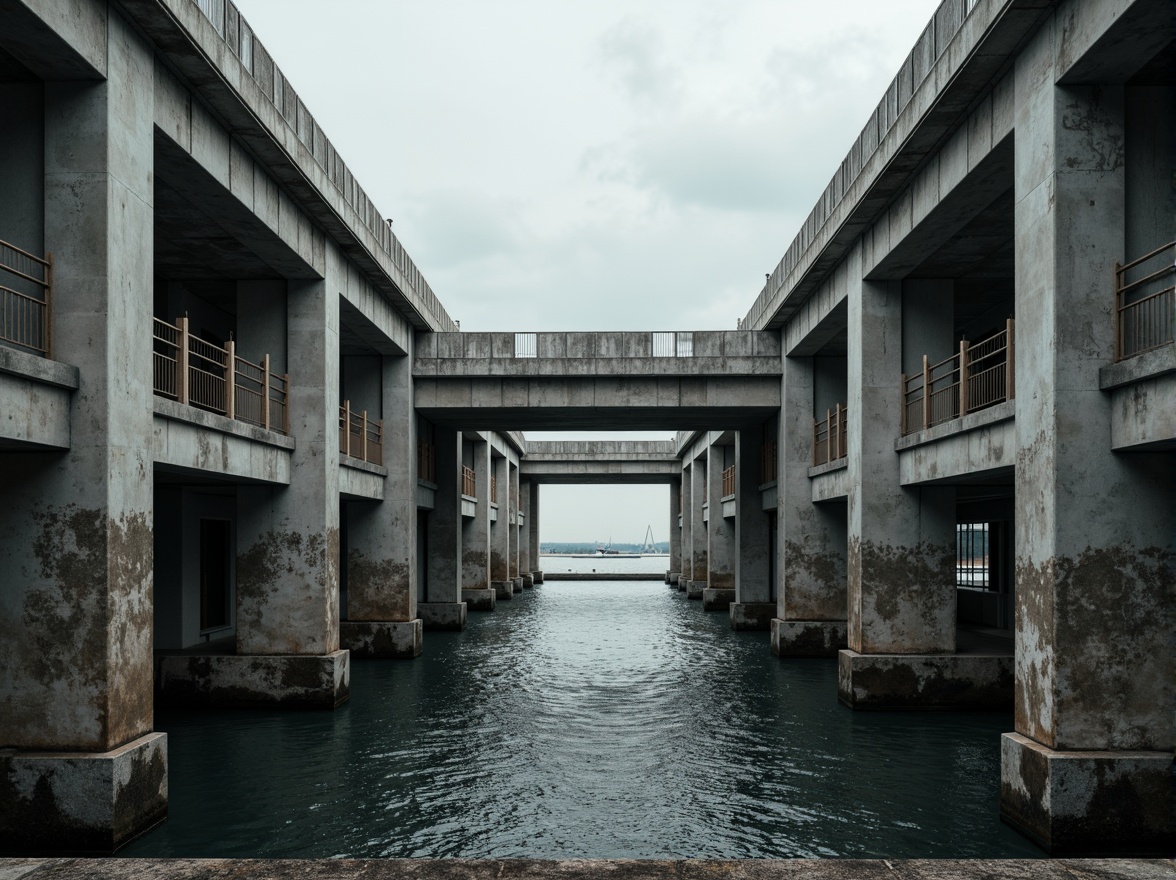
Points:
(587, 869)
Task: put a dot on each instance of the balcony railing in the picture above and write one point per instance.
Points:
(494, 490)
(26, 316)
(198, 373)
(426, 461)
(729, 481)
(1145, 302)
(830, 436)
(980, 376)
(768, 462)
(673, 343)
(469, 482)
(359, 436)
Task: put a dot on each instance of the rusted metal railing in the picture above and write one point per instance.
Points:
(426, 461)
(198, 373)
(26, 316)
(729, 481)
(494, 490)
(768, 454)
(980, 375)
(469, 482)
(830, 436)
(359, 436)
(1145, 306)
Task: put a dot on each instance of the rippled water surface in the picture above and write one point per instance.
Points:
(586, 719)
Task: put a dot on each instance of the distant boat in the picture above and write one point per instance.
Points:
(606, 551)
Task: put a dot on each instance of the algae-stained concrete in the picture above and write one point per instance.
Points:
(586, 869)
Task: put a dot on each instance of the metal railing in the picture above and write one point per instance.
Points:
(26, 319)
(426, 461)
(1145, 306)
(359, 436)
(525, 345)
(469, 482)
(673, 344)
(494, 490)
(729, 481)
(198, 373)
(768, 454)
(979, 376)
(830, 436)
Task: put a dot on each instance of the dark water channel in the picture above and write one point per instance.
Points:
(586, 720)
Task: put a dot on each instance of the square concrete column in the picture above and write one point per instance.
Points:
(288, 650)
(82, 770)
(512, 508)
(477, 590)
(699, 564)
(533, 531)
(444, 608)
(811, 538)
(382, 541)
(675, 561)
(720, 538)
(686, 562)
(751, 608)
(1088, 769)
(526, 563)
(500, 531)
(901, 553)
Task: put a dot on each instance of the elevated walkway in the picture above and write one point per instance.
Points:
(600, 461)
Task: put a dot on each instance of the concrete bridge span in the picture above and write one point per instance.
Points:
(634, 381)
(601, 461)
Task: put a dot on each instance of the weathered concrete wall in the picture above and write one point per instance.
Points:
(445, 522)
(500, 538)
(190, 440)
(35, 396)
(982, 442)
(721, 549)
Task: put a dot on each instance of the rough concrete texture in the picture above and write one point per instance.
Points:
(587, 869)
(442, 615)
(694, 589)
(82, 803)
(382, 638)
(503, 589)
(479, 600)
(911, 681)
(808, 638)
(752, 615)
(528, 582)
(518, 584)
(303, 681)
(537, 576)
(1078, 803)
(717, 600)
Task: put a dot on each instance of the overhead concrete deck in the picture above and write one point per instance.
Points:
(601, 461)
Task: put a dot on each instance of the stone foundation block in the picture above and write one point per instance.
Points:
(82, 803)
(752, 615)
(717, 599)
(518, 585)
(528, 582)
(672, 578)
(382, 638)
(694, 589)
(479, 600)
(502, 589)
(315, 681)
(537, 577)
(1087, 803)
(925, 681)
(442, 615)
(808, 638)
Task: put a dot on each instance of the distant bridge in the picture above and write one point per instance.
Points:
(601, 461)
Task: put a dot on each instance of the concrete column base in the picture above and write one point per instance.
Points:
(442, 615)
(808, 638)
(1087, 803)
(717, 599)
(537, 577)
(479, 600)
(925, 681)
(518, 585)
(528, 582)
(311, 681)
(672, 578)
(694, 589)
(683, 582)
(382, 638)
(755, 616)
(502, 589)
(82, 802)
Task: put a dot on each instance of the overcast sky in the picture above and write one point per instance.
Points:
(591, 164)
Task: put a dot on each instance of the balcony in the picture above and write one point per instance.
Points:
(426, 461)
(198, 373)
(469, 482)
(1145, 303)
(829, 436)
(494, 490)
(729, 482)
(979, 376)
(26, 316)
(359, 436)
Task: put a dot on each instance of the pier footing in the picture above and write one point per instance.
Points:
(503, 590)
(479, 600)
(925, 681)
(528, 582)
(717, 599)
(694, 589)
(755, 616)
(808, 638)
(537, 577)
(382, 638)
(442, 615)
(296, 681)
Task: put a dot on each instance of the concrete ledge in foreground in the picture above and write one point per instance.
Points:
(586, 869)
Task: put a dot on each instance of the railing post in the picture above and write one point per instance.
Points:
(363, 435)
(286, 407)
(231, 379)
(1118, 313)
(926, 392)
(963, 377)
(347, 427)
(265, 392)
(828, 439)
(837, 445)
(49, 306)
(182, 361)
(1010, 361)
(902, 396)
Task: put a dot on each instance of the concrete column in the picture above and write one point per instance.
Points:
(1088, 769)
(382, 540)
(76, 605)
(686, 562)
(900, 565)
(533, 530)
(699, 565)
(526, 563)
(477, 590)
(811, 538)
(752, 608)
(720, 538)
(445, 607)
(500, 531)
(512, 508)
(675, 562)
